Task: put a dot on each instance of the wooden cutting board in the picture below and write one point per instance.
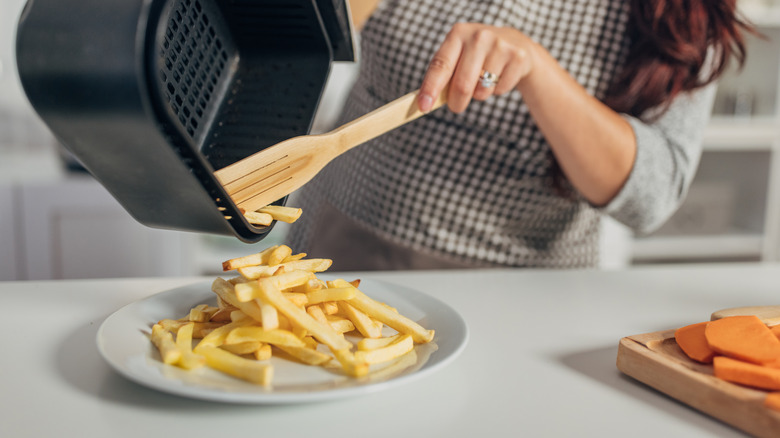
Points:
(656, 360)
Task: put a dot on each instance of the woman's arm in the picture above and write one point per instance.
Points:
(668, 153)
(594, 145)
(361, 10)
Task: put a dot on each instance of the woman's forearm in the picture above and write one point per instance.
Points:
(593, 144)
(361, 10)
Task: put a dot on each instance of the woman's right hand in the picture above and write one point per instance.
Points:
(593, 144)
(469, 50)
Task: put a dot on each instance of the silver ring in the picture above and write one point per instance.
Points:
(488, 79)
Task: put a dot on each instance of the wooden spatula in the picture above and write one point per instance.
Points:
(277, 171)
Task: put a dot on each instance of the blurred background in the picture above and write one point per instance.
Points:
(56, 222)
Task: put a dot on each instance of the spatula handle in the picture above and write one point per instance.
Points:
(277, 171)
(383, 119)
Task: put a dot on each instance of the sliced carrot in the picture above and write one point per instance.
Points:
(746, 373)
(693, 343)
(745, 338)
(772, 401)
(775, 329)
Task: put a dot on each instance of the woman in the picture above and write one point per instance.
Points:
(559, 112)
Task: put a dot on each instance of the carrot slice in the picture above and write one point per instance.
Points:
(743, 337)
(772, 401)
(775, 329)
(746, 373)
(693, 343)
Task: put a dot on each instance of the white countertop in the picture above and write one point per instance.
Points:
(540, 361)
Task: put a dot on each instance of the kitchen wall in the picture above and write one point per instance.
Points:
(19, 127)
(11, 96)
(56, 224)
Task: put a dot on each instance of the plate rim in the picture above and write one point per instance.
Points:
(455, 320)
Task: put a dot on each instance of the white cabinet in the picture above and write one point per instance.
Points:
(70, 227)
(8, 264)
(73, 228)
(732, 211)
(60, 225)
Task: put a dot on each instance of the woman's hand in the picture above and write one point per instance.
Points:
(469, 50)
(593, 144)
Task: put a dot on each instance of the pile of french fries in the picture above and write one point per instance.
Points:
(278, 306)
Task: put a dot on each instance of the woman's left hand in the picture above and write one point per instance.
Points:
(468, 51)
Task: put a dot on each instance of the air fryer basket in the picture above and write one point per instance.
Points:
(153, 96)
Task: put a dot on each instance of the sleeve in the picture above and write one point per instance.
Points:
(668, 152)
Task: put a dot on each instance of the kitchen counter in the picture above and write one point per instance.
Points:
(540, 360)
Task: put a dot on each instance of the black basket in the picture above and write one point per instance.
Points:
(153, 96)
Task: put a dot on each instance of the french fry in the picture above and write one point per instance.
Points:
(306, 355)
(374, 343)
(330, 308)
(202, 313)
(341, 325)
(171, 325)
(221, 303)
(260, 258)
(238, 315)
(227, 291)
(277, 255)
(310, 342)
(253, 333)
(188, 359)
(282, 213)
(241, 348)
(401, 346)
(259, 271)
(257, 218)
(310, 286)
(247, 369)
(163, 340)
(184, 336)
(297, 298)
(270, 317)
(316, 312)
(294, 257)
(263, 353)
(331, 294)
(387, 316)
(237, 280)
(299, 331)
(217, 337)
(389, 307)
(270, 293)
(364, 324)
(200, 329)
(223, 314)
(249, 291)
(284, 323)
(350, 364)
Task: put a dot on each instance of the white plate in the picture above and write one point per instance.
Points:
(123, 342)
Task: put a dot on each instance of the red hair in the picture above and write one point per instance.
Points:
(676, 46)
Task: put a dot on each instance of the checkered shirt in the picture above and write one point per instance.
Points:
(477, 187)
